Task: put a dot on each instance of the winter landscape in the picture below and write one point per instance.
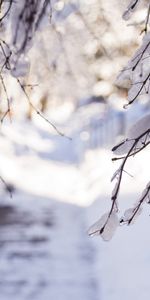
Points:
(45, 249)
(61, 115)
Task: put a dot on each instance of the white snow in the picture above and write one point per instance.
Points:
(45, 249)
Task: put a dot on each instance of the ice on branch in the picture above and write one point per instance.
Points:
(140, 127)
(105, 226)
(115, 190)
(138, 135)
(136, 75)
(123, 147)
(26, 19)
(130, 9)
(21, 68)
(131, 215)
(115, 175)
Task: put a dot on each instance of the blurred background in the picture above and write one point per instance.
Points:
(59, 184)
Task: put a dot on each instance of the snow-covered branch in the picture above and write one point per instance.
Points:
(137, 74)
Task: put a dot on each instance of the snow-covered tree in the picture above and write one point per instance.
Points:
(78, 45)
(136, 75)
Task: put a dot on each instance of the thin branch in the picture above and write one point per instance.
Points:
(120, 174)
(7, 11)
(40, 113)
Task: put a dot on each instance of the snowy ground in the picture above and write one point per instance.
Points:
(45, 251)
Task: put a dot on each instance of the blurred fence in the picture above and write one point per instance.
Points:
(104, 130)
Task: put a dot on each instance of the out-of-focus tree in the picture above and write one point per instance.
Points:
(71, 49)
